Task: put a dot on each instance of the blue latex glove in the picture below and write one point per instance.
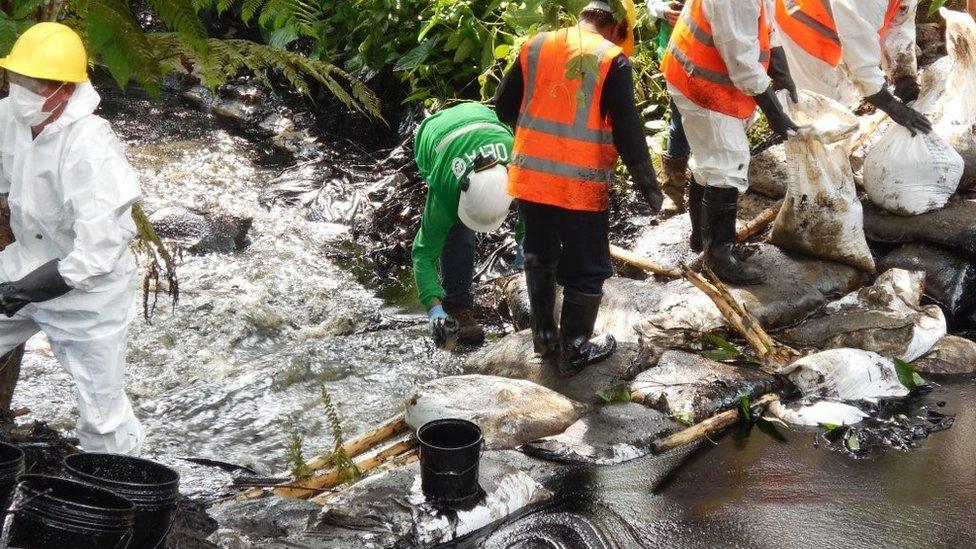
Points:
(443, 328)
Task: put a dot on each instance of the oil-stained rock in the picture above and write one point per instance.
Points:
(952, 355)
(612, 434)
(692, 388)
(952, 227)
(769, 173)
(202, 232)
(950, 278)
(509, 411)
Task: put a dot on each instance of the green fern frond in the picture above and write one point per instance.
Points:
(181, 17)
(339, 457)
(114, 35)
(250, 9)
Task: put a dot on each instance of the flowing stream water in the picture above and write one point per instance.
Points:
(240, 364)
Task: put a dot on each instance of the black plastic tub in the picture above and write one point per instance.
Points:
(450, 455)
(152, 487)
(57, 513)
(11, 467)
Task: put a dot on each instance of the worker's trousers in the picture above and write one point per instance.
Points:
(677, 142)
(457, 266)
(106, 421)
(576, 243)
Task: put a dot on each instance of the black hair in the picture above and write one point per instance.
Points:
(598, 18)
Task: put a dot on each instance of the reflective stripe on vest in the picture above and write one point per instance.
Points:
(563, 153)
(810, 24)
(694, 66)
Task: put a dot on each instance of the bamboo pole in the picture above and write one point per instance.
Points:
(641, 262)
(707, 428)
(334, 477)
(398, 461)
(388, 430)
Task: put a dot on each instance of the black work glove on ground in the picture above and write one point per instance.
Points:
(43, 284)
(779, 121)
(646, 182)
(906, 88)
(779, 72)
(901, 113)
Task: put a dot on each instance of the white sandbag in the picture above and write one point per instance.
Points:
(845, 374)
(821, 412)
(957, 123)
(908, 175)
(821, 215)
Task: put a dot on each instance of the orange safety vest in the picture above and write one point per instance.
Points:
(695, 67)
(810, 23)
(563, 153)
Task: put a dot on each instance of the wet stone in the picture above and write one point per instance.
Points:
(202, 232)
(768, 173)
(514, 357)
(952, 227)
(612, 434)
(692, 388)
(952, 355)
(950, 278)
(510, 412)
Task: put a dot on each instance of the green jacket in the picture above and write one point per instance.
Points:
(663, 37)
(445, 147)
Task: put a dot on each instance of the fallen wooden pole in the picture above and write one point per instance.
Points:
(334, 477)
(389, 430)
(398, 461)
(641, 262)
(706, 428)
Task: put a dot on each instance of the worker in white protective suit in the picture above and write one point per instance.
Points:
(70, 273)
(722, 61)
(838, 48)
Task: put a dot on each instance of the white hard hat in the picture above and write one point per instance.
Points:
(485, 200)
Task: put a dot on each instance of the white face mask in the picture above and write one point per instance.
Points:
(28, 107)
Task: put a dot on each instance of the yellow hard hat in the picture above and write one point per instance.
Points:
(49, 51)
(628, 45)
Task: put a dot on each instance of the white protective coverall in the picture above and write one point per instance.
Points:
(719, 144)
(860, 73)
(71, 192)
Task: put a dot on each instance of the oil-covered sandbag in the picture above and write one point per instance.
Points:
(957, 121)
(821, 215)
(952, 355)
(886, 318)
(846, 374)
(950, 279)
(952, 227)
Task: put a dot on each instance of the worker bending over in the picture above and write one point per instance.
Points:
(461, 153)
(675, 158)
(719, 65)
(571, 98)
(70, 272)
(837, 48)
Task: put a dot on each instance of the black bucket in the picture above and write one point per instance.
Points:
(152, 487)
(11, 467)
(57, 513)
(450, 452)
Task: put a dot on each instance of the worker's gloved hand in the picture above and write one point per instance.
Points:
(779, 72)
(443, 328)
(779, 121)
(43, 284)
(906, 88)
(646, 182)
(901, 113)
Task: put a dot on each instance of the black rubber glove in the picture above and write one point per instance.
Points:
(906, 88)
(901, 113)
(646, 182)
(779, 121)
(779, 71)
(43, 284)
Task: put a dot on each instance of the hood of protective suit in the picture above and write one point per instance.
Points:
(82, 103)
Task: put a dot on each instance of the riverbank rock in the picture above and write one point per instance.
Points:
(510, 412)
(612, 434)
(200, 232)
(950, 279)
(886, 318)
(389, 510)
(692, 388)
(952, 355)
(769, 172)
(952, 227)
(667, 242)
(845, 374)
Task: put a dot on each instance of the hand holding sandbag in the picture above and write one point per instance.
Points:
(779, 121)
(901, 113)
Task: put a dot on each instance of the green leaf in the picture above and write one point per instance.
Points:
(502, 51)
(852, 441)
(416, 57)
(744, 408)
(181, 17)
(907, 375)
(830, 426)
(934, 6)
(610, 395)
(683, 417)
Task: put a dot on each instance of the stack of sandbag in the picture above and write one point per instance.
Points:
(821, 215)
(910, 175)
(957, 111)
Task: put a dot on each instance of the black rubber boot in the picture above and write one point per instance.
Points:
(695, 194)
(718, 235)
(577, 350)
(541, 281)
